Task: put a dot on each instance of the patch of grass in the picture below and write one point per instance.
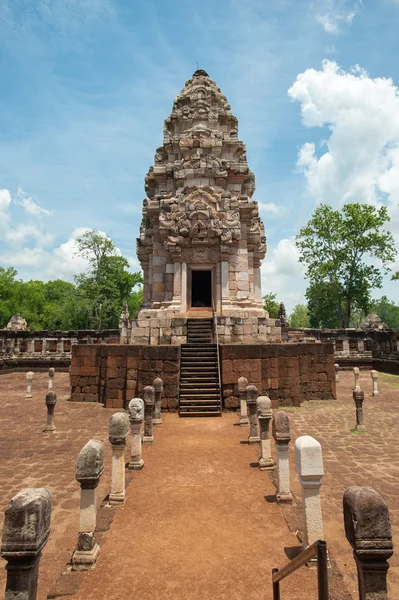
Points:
(392, 380)
(357, 432)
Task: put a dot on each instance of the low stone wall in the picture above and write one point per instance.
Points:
(24, 349)
(287, 373)
(115, 374)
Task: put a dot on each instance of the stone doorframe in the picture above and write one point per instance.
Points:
(215, 284)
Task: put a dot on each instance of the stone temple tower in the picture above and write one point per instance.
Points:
(201, 238)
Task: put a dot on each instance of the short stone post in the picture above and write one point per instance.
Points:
(282, 437)
(368, 530)
(136, 416)
(89, 469)
(158, 388)
(149, 405)
(51, 399)
(356, 373)
(25, 533)
(358, 397)
(118, 429)
(264, 409)
(374, 378)
(336, 367)
(252, 396)
(242, 395)
(51, 373)
(29, 379)
(309, 466)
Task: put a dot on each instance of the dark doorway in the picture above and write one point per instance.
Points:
(201, 289)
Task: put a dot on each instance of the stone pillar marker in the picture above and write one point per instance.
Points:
(25, 533)
(136, 416)
(29, 379)
(118, 430)
(242, 395)
(149, 405)
(374, 378)
(90, 467)
(336, 367)
(282, 437)
(51, 373)
(368, 530)
(158, 388)
(252, 396)
(356, 373)
(358, 397)
(51, 399)
(309, 466)
(264, 409)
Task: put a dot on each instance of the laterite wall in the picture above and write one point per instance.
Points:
(288, 373)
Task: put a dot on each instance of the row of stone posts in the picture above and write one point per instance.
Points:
(90, 465)
(27, 527)
(366, 516)
(356, 373)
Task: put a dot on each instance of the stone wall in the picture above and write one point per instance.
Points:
(22, 349)
(287, 373)
(115, 374)
(371, 348)
(155, 328)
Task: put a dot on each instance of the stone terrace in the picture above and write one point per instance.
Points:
(196, 516)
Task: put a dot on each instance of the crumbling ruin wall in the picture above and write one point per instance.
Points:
(39, 350)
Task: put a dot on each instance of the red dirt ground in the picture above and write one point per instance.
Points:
(199, 521)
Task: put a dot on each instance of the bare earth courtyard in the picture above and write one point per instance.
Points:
(199, 521)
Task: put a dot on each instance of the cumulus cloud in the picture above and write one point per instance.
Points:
(359, 161)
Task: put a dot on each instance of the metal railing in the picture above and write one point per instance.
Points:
(317, 550)
(215, 327)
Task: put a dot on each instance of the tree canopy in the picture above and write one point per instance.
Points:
(93, 301)
(339, 250)
(299, 316)
(271, 305)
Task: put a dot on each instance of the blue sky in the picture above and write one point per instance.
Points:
(87, 84)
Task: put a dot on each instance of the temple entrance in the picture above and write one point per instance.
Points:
(201, 289)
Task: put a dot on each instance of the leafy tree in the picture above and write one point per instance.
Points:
(337, 248)
(270, 304)
(107, 283)
(299, 316)
(387, 311)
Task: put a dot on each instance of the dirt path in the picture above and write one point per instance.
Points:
(199, 522)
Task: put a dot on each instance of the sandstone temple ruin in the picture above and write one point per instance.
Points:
(201, 238)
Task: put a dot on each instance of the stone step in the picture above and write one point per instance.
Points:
(203, 363)
(199, 413)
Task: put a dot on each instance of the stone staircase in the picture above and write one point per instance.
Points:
(199, 394)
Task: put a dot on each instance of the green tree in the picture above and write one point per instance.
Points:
(299, 316)
(337, 248)
(107, 283)
(7, 291)
(270, 304)
(387, 311)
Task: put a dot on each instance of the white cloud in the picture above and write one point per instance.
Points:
(361, 161)
(15, 234)
(271, 208)
(30, 205)
(334, 15)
